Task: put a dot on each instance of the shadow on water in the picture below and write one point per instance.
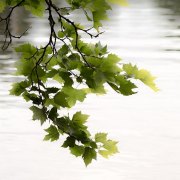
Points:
(19, 24)
(173, 5)
(172, 15)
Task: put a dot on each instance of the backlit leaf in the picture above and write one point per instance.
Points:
(142, 75)
(2, 6)
(101, 137)
(80, 118)
(119, 2)
(111, 146)
(104, 153)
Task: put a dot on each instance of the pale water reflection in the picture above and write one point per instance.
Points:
(146, 124)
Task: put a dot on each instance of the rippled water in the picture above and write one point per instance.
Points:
(147, 124)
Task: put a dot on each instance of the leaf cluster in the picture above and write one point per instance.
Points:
(77, 69)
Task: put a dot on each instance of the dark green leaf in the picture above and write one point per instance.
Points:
(61, 99)
(53, 114)
(38, 114)
(77, 150)
(89, 155)
(69, 142)
(53, 134)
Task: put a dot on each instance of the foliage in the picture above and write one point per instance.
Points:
(79, 68)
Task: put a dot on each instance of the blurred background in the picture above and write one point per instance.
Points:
(147, 124)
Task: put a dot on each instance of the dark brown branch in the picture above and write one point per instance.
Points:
(7, 31)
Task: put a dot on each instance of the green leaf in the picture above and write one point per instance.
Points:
(61, 99)
(89, 155)
(104, 153)
(130, 69)
(143, 75)
(18, 88)
(73, 95)
(2, 6)
(69, 142)
(61, 34)
(101, 137)
(38, 114)
(37, 7)
(119, 2)
(99, 8)
(51, 62)
(33, 97)
(126, 87)
(111, 146)
(58, 78)
(27, 50)
(93, 145)
(109, 64)
(53, 114)
(77, 150)
(64, 50)
(53, 134)
(146, 77)
(80, 118)
(52, 90)
(66, 76)
(99, 77)
(24, 67)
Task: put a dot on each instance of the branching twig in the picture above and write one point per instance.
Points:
(7, 31)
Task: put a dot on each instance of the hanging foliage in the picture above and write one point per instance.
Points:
(78, 67)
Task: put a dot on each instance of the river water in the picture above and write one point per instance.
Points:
(147, 125)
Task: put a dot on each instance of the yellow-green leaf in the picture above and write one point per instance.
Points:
(104, 153)
(111, 146)
(101, 137)
(119, 2)
(2, 6)
(146, 77)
